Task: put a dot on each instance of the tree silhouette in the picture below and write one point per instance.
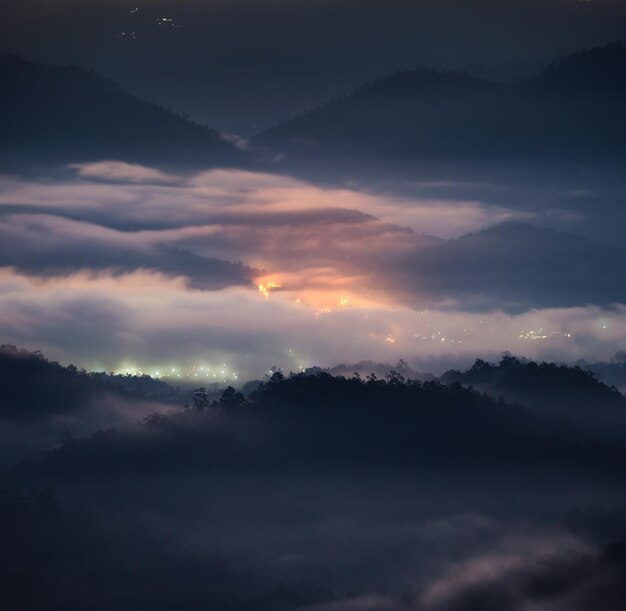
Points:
(231, 399)
(200, 399)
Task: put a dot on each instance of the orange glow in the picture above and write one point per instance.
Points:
(324, 290)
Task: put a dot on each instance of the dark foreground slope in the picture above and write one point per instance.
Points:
(55, 114)
(68, 560)
(319, 422)
(353, 494)
(42, 402)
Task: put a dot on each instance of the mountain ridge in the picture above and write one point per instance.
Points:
(426, 114)
(59, 114)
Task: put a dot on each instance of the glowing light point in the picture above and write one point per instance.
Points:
(265, 289)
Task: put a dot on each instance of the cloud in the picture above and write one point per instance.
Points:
(549, 572)
(241, 143)
(354, 285)
(119, 171)
(47, 245)
(370, 243)
(229, 194)
(150, 321)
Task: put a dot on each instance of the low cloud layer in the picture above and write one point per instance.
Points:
(158, 268)
(122, 171)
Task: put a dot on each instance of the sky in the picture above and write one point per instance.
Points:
(243, 65)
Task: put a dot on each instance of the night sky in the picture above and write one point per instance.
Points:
(243, 65)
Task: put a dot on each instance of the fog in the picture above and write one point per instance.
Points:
(126, 266)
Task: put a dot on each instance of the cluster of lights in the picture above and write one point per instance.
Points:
(265, 289)
(167, 22)
(162, 22)
(342, 304)
(322, 312)
(431, 336)
(200, 372)
(541, 335)
(437, 337)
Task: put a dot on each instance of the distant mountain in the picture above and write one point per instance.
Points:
(59, 114)
(572, 110)
(366, 368)
(613, 372)
(518, 266)
(599, 70)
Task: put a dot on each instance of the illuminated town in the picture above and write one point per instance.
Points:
(223, 373)
(217, 374)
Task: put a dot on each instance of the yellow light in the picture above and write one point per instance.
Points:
(265, 289)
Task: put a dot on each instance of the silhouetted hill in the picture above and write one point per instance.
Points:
(599, 70)
(546, 386)
(517, 265)
(613, 373)
(58, 114)
(33, 387)
(397, 115)
(573, 110)
(368, 367)
(317, 481)
(41, 402)
(320, 421)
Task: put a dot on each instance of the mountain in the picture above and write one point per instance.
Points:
(396, 115)
(572, 110)
(321, 421)
(60, 114)
(599, 70)
(518, 266)
(613, 372)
